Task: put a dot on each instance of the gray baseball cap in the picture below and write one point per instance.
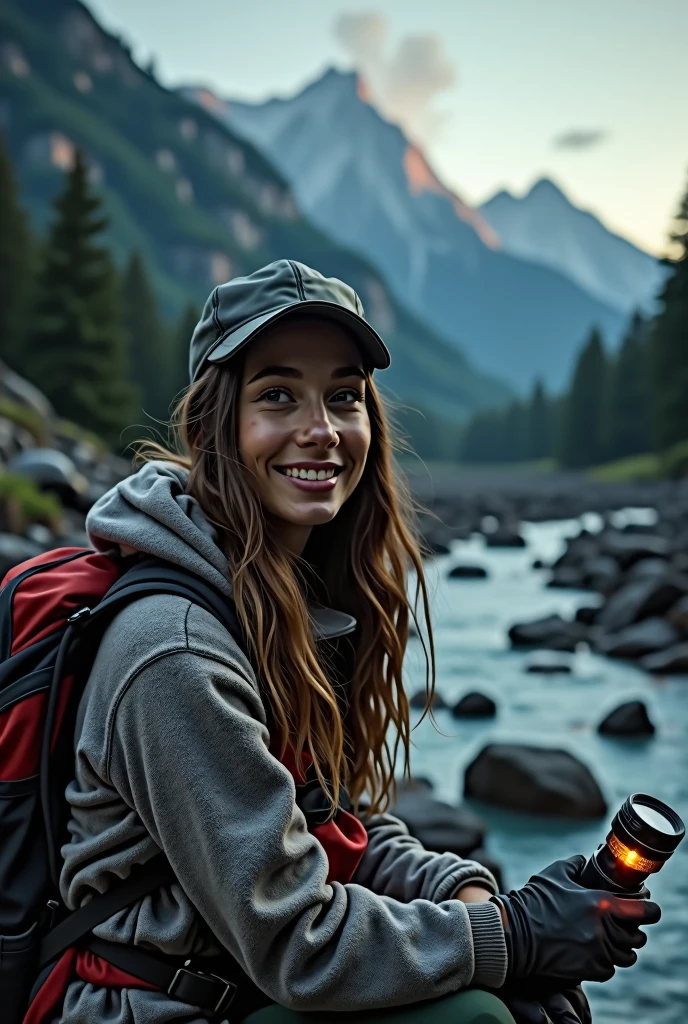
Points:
(236, 311)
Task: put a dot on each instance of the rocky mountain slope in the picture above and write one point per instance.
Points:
(201, 203)
(364, 182)
(544, 226)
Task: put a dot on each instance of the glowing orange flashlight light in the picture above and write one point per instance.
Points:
(644, 834)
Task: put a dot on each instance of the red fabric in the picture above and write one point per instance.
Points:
(344, 840)
(82, 964)
(42, 602)
(21, 731)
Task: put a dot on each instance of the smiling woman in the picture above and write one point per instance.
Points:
(261, 763)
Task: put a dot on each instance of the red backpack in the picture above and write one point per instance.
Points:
(53, 611)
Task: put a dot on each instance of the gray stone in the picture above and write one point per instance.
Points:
(14, 549)
(567, 576)
(628, 548)
(420, 698)
(440, 826)
(641, 638)
(629, 719)
(647, 568)
(552, 632)
(505, 537)
(678, 614)
(586, 615)
(672, 661)
(547, 663)
(534, 780)
(639, 599)
(601, 573)
(474, 705)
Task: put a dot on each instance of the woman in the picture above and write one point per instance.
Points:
(286, 502)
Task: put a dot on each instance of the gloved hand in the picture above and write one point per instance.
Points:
(570, 1007)
(561, 933)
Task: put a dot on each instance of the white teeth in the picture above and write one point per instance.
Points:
(310, 474)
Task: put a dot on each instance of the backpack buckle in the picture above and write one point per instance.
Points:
(179, 988)
(79, 616)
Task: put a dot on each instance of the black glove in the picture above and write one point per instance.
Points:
(561, 933)
(570, 1007)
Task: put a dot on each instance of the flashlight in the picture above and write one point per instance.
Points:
(644, 834)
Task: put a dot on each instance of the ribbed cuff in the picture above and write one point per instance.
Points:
(489, 944)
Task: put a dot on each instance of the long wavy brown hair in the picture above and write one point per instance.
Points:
(362, 559)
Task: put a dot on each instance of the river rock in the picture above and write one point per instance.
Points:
(417, 783)
(14, 549)
(474, 705)
(586, 615)
(628, 548)
(552, 632)
(420, 698)
(629, 719)
(437, 547)
(641, 638)
(538, 564)
(547, 663)
(534, 780)
(678, 614)
(504, 537)
(639, 599)
(567, 576)
(672, 661)
(601, 573)
(439, 826)
(647, 568)
(467, 572)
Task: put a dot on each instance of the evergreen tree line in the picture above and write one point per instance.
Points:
(627, 403)
(89, 334)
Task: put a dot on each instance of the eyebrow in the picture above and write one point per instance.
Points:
(290, 371)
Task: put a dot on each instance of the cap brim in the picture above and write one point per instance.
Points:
(368, 339)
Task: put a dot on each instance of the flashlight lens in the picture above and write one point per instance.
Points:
(652, 816)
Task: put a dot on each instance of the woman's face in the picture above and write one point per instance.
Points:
(304, 430)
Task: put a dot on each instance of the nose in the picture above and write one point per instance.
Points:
(316, 428)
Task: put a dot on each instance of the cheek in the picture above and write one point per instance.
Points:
(255, 437)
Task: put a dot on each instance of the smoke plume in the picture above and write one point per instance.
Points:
(403, 81)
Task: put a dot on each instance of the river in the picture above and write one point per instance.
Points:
(470, 620)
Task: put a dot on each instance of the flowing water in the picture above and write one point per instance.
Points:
(471, 618)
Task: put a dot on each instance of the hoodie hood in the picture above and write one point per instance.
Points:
(151, 512)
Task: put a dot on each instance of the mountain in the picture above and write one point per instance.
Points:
(200, 202)
(544, 226)
(360, 179)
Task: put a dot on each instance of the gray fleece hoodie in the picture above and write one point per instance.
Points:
(172, 755)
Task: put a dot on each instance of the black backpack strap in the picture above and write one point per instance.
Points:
(80, 922)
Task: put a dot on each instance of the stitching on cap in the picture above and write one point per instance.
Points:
(216, 319)
(299, 282)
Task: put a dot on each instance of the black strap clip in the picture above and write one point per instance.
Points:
(202, 990)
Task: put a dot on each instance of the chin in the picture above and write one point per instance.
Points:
(309, 517)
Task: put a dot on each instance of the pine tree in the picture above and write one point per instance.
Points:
(539, 427)
(669, 345)
(78, 347)
(515, 433)
(629, 427)
(16, 268)
(180, 348)
(149, 345)
(582, 434)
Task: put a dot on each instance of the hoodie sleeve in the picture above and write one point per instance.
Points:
(397, 865)
(188, 751)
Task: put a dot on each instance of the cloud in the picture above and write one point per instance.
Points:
(581, 138)
(403, 82)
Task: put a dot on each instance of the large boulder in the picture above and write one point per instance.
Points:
(440, 826)
(640, 599)
(601, 573)
(505, 537)
(474, 705)
(672, 661)
(534, 780)
(641, 638)
(567, 577)
(629, 719)
(552, 632)
(52, 470)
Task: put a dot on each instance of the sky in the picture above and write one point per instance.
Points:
(592, 93)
